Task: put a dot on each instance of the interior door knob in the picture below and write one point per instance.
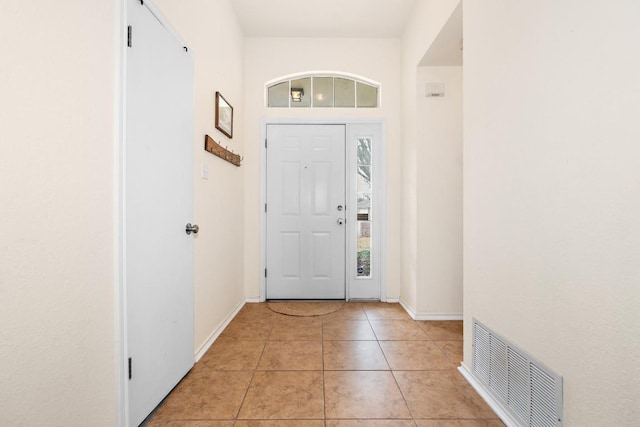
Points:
(192, 228)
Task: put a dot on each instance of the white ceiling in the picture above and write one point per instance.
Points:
(323, 18)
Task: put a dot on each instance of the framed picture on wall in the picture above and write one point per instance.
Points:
(224, 116)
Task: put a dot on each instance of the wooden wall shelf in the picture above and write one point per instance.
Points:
(223, 152)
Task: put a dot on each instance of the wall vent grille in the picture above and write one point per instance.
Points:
(529, 391)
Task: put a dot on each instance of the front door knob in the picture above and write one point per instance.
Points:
(340, 221)
(192, 229)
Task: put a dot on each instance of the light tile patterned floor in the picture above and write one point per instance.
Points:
(368, 364)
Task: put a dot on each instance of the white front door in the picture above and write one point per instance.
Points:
(158, 203)
(306, 212)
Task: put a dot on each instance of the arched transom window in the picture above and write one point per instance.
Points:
(322, 90)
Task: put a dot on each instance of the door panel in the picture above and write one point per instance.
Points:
(305, 185)
(290, 254)
(322, 188)
(290, 188)
(158, 202)
(321, 263)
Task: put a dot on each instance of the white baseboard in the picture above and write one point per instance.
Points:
(253, 300)
(478, 387)
(438, 316)
(216, 333)
(429, 316)
(408, 309)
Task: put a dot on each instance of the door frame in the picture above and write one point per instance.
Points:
(379, 207)
(120, 291)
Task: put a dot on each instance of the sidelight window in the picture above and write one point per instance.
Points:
(364, 201)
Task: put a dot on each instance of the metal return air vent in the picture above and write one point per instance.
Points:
(530, 392)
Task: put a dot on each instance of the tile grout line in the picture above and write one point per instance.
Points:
(406, 402)
(395, 379)
(436, 343)
(253, 375)
(324, 380)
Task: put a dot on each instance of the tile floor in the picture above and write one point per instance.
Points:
(368, 364)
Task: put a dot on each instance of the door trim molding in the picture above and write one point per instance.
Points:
(380, 195)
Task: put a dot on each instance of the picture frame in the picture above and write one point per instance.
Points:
(224, 115)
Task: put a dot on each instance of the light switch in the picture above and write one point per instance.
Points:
(204, 171)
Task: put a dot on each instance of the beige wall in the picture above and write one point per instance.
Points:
(422, 29)
(552, 236)
(57, 210)
(439, 195)
(267, 59)
(215, 39)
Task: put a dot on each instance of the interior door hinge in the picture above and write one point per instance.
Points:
(265, 272)
(129, 368)
(265, 207)
(265, 143)
(129, 31)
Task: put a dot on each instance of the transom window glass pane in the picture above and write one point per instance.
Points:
(363, 214)
(323, 91)
(367, 95)
(305, 97)
(345, 93)
(279, 95)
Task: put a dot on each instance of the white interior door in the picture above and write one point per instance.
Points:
(305, 255)
(158, 193)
